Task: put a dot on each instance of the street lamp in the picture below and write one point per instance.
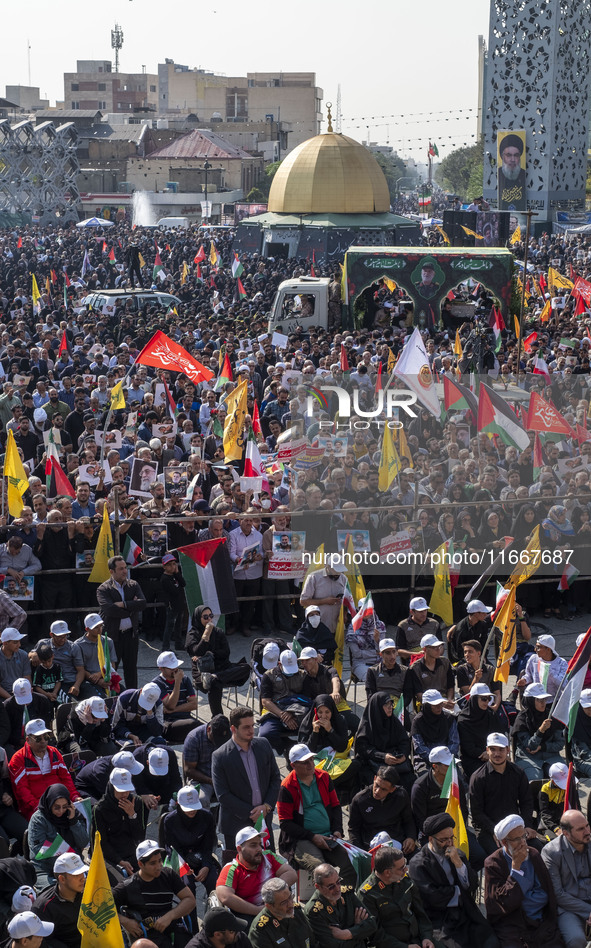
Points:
(206, 167)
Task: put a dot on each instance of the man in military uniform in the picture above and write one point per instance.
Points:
(335, 913)
(427, 288)
(282, 922)
(410, 631)
(394, 901)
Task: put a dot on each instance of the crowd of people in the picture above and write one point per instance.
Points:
(160, 469)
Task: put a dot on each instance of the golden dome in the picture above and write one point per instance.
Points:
(329, 173)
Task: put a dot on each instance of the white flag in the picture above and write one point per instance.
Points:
(414, 369)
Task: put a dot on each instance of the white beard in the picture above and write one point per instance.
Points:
(511, 174)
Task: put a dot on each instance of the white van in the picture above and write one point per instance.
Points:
(174, 222)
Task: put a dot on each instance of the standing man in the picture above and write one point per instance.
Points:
(248, 569)
(120, 603)
(246, 780)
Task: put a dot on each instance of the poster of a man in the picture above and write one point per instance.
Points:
(512, 194)
(143, 475)
(427, 287)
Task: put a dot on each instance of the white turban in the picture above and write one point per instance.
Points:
(504, 827)
(384, 839)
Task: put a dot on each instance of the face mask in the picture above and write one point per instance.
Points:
(265, 504)
(314, 621)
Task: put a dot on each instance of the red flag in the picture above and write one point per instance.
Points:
(104, 246)
(63, 344)
(53, 276)
(68, 281)
(582, 433)
(543, 416)
(527, 342)
(112, 256)
(199, 256)
(162, 353)
(581, 306)
(171, 403)
(256, 419)
(344, 359)
(201, 553)
(543, 284)
(571, 794)
(19, 243)
(379, 385)
(572, 272)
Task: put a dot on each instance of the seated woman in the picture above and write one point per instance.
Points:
(364, 643)
(551, 800)
(476, 721)
(381, 739)
(190, 830)
(56, 816)
(314, 633)
(325, 727)
(121, 817)
(538, 738)
(432, 727)
(202, 638)
(580, 745)
(90, 726)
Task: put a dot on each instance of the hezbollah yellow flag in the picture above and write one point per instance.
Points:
(14, 472)
(389, 461)
(391, 360)
(507, 624)
(529, 562)
(117, 396)
(142, 262)
(339, 637)
(471, 233)
(213, 257)
(35, 291)
(184, 272)
(390, 284)
(557, 281)
(517, 327)
(354, 577)
(98, 923)
(443, 234)
(516, 235)
(546, 312)
(344, 283)
(234, 426)
(458, 351)
(440, 603)
(104, 551)
(451, 788)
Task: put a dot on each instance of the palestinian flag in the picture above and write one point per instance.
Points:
(56, 481)
(569, 574)
(132, 551)
(177, 863)
(571, 794)
(479, 586)
(157, 266)
(241, 291)
(237, 268)
(495, 417)
(458, 398)
(208, 573)
(54, 849)
(112, 260)
(359, 859)
(567, 700)
(433, 150)
(451, 792)
(538, 457)
(225, 375)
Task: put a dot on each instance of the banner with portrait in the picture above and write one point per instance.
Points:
(511, 166)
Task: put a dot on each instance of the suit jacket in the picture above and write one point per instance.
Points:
(107, 595)
(436, 891)
(232, 787)
(560, 862)
(503, 897)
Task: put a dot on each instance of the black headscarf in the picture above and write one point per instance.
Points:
(582, 731)
(338, 739)
(530, 719)
(433, 728)
(62, 823)
(320, 638)
(196, 617)
(378, 731)
(476, 723)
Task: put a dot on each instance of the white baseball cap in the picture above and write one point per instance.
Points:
(270, 655)
(311, 609)
(308, 652)
(418, 604)
(158, 762)
(336, 562)
(149, 695)
(188, 799)
(12, 635)
(480, 690)
(98, 707)
(440, 755)
(243, 835)
(430, 641)
(289, 662)
(146, 848)
(22, 691)
(126, 761)
(559, 774)
(23, 898)
(92, 620)
(432, 696)
(36, 727)
(585, 699)
(70, 863)
(537, 690)
(548, 640)
(497, 740)
(168, 660)
(28, 925)
(121, 780)
(386, 643)
(299, 753)
(475, 605)
(59, 627)
(384, 839)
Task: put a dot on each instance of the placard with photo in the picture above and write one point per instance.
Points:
(89, 380)
(23, 589)
(112, 439)
(90, 472)
(154, 539)
(57, 436)
(160, 399)
(175, 481)
(85, 560)
(360, 540)
(289, 541)
(143, 475)
(165, 429)
(131, 424)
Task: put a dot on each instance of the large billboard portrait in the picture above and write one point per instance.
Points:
(511, 157)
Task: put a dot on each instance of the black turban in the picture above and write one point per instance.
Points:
(434, 824)
(511, 141)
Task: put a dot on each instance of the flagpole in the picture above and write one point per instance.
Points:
(110, 411)
(529, 215)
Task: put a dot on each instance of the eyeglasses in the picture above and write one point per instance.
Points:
(39, 737)
(333, 885)
(444, 840)
(207, 615)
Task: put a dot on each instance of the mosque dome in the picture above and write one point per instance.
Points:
(329, 173)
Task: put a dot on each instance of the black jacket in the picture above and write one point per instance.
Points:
(368, 816)
(40, 707)
(493, 796)
(120, 834)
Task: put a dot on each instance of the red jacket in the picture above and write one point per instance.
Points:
(29, 783)
(290, 810)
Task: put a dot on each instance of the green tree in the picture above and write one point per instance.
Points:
(461, 171)
(393, 168)
(263, 185)
(256, 196)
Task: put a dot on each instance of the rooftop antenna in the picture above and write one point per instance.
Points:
(117, 43)
(337, 121)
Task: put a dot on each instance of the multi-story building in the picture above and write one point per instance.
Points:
(94, 85)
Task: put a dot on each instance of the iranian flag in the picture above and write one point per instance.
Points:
(132, 551)
(225, 375)
(424, 199)
(262, 828)
(451, 792)
(366, 611)
(541, 368)
(458, 398)
(208, 573)
(495, 417)
(177, 863)
(569, 574)
(237, 268)
(157, 265)
(253, 465)
(51, 850)
(566, 703)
